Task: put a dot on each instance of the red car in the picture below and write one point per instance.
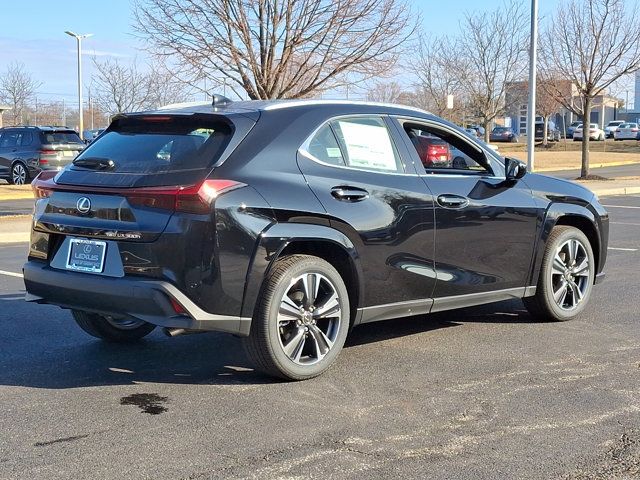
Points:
(433, 151)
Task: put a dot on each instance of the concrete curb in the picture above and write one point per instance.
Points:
(601, 192)
(591, 165)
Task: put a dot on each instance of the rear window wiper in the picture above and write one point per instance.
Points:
(96, 163)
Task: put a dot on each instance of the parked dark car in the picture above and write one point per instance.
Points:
(553, 133)
(503, 134)
(25, 151)
(289, 223)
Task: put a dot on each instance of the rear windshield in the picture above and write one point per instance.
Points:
(60, 137)
(159, 145)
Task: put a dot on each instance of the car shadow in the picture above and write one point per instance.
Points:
(209, 359)
(511, 311)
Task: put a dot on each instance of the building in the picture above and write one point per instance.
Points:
(633, 114)
(3, 108)
(605, 107)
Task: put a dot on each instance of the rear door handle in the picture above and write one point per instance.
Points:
(349, 194)
(452, 201)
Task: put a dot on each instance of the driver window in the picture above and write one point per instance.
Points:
(443, 152)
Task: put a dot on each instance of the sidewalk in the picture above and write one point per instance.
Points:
(616, 186)
(15, 192)
(15, 229)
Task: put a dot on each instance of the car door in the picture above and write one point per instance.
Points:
(485, 226)
(8, 148)
(355, 169)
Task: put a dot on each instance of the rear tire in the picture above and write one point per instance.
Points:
(566, 276)
(302, 319)
(112, 330)
(19, 174)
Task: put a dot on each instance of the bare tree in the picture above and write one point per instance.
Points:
(124, 88)
(386, 92)
(277, 48)
(120, 88)
(493, 48)
(440, 71)
(164, 87)
(547, 102)
(591, 43)
(17, 88)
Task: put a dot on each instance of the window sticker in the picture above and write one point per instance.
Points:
(333, 152)
(368, 146)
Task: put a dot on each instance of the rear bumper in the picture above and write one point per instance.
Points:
(147, 300)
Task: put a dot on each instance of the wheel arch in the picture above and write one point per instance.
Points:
(573, 215)
(310, 239)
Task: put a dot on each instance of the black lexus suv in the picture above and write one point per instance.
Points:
(26, 151)
(290, 222)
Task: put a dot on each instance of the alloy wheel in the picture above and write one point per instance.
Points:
(309, 318)
(570, 274)
(19, 174)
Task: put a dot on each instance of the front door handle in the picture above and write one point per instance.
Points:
(349, 194)
(452, 201)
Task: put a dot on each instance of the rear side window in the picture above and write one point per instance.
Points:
(27, 139)
(324, 147)
(366, 144)
(160, 145)
(61, 136)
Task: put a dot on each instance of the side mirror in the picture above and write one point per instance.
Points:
(514, 168)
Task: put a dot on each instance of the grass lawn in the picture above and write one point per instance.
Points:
(567, 154)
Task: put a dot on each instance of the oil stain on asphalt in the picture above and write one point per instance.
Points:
(150, 403)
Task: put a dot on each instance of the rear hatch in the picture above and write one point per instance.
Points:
(58, 148)
(128, 183)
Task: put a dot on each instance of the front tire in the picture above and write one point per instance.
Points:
(19, 174)
(566, 276)
(111, 329)
(302, 319)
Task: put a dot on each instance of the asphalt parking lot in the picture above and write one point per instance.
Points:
(479, 393)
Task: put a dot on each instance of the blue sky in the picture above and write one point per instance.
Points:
(33, 33)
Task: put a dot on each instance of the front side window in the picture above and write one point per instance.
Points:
(440, 151)
(10, 139)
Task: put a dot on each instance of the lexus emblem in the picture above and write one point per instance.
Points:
(83, 205)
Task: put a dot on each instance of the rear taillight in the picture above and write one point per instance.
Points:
(39, 184)
(192, 199)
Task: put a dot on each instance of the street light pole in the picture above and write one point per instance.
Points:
(533, 67)
(79, 42)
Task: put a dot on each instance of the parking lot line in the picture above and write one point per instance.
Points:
(620, 206)
(626, 223)
(623, 249)
(11, 274)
